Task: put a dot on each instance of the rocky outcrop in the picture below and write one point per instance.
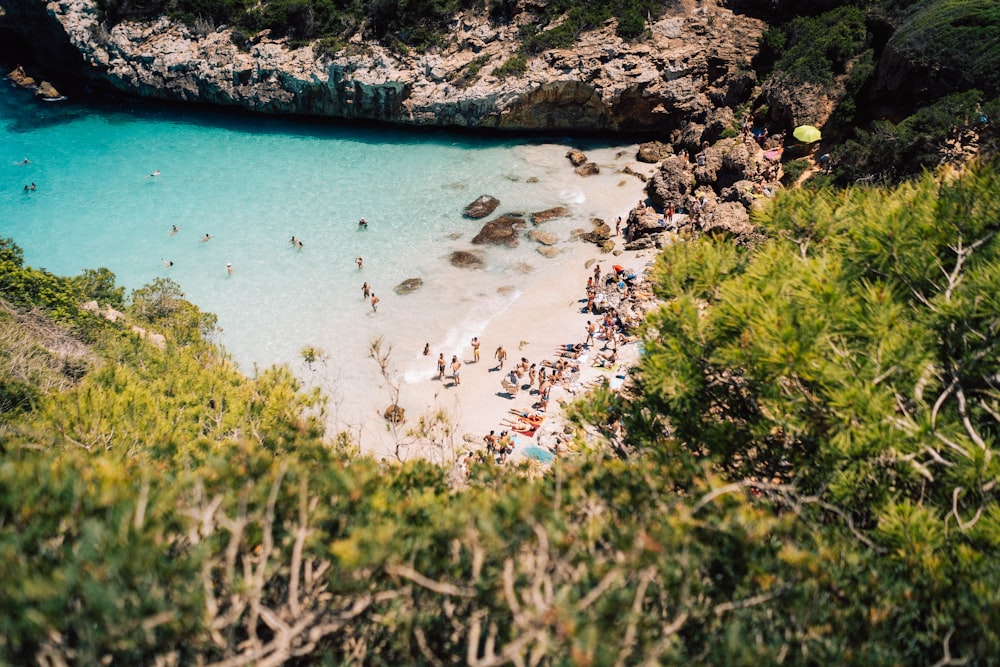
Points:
(690, 60)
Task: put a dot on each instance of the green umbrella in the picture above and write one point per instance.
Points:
(807, 134)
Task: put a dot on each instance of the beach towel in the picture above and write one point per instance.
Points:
(539, 454)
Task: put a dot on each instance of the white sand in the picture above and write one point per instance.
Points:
(537, 323)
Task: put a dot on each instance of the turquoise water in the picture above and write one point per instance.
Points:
(252, 183)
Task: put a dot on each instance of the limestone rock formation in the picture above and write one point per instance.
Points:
(544, 238)
(409, 285)
(482, 207)
(500, 231)
(464, 259)
(576, 158)
(688, 61)
(588, 169)
(549, 214)
(653, 151)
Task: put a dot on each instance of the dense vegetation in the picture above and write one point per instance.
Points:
(912, 80)
(811, 477)
(400, 24)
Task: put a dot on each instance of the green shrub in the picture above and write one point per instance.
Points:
(516, 66)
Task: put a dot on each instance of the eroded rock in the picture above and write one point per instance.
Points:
(500, 231)
(409, 285)
(549, 214)
(482, 207)
(465, 259)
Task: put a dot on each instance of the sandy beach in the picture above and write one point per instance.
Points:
(523, 300)
(542, 321)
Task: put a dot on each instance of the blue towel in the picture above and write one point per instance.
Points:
(538, 454)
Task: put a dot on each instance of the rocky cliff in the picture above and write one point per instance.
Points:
(694, 60)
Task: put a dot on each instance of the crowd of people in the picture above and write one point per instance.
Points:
(610, 327)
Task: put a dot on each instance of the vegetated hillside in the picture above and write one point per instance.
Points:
(902, 87)
(811, 478)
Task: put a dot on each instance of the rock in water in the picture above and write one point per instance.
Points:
(549, 214)
(481, 208)
(464, 259)
(502, 231)
(409, 285)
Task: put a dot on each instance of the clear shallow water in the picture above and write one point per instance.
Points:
(254, 182)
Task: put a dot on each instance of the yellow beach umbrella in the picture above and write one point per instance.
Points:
(807, 134)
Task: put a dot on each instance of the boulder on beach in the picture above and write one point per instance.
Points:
(409, 285)
(576, 158)
(481, 208)
(464, 259)
(394, 414)
(600, 233)
(549, 214)
(588, 169)
(547, 251)
(501, 231)
(653, 151)
(545, 238)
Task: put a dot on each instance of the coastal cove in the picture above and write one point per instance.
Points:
(251, 183)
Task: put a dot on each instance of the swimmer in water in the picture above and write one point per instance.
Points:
(207, 237)
(173, 230)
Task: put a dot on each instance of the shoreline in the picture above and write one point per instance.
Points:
(480, 403)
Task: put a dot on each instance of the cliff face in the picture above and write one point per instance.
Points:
(692, 61)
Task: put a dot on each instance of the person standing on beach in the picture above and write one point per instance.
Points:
(500, 355)
(374, 303)
(590, 333)
(427, 349)
(618, 226)
(456, 365)
(475, 349)
(441, 363)
(366, 290)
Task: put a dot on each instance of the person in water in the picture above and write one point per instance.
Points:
(362, 223)
(207, 237)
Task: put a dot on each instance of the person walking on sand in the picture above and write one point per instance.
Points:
(374, 303)
(441, 364)
(475, 349)
(360, 262)
(366, 290)
(500, 355)
(456, 365)
(427, 349)
(590, 333)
